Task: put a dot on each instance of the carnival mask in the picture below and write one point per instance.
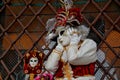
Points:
(33, 61)
(63, 38)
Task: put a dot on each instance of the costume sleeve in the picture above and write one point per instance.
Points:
(52, 62)
(84, 55)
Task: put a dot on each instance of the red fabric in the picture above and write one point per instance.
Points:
(76, 12)
(72, 11)
(61, 21)
(80, 70)
(35, 70)
(59, 72)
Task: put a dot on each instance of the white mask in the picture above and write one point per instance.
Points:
(64, 39)
(33, 61)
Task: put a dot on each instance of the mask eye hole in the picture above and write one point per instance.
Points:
(31, 60)
(35, 60)
(61, 32)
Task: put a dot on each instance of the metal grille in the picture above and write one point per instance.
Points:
(22, 28)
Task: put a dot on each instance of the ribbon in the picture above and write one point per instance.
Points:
(44, 75)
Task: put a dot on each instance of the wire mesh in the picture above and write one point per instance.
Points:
(22, 28)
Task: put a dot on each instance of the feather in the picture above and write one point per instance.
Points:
(50, 24)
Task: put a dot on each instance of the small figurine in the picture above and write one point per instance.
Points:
(33, 62)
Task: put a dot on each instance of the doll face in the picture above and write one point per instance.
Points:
(33, 61)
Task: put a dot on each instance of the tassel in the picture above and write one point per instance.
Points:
(67, 71)
(31, 76)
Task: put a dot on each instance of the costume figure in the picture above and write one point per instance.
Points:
(74, 56)
(32, 64)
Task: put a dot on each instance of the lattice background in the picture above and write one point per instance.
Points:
(22, 28)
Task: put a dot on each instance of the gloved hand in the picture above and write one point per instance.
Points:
(74, 36)
(75, 39)
(59, 46)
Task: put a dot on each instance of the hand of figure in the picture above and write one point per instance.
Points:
(75, 39)
(59, 46)
(74, 36)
